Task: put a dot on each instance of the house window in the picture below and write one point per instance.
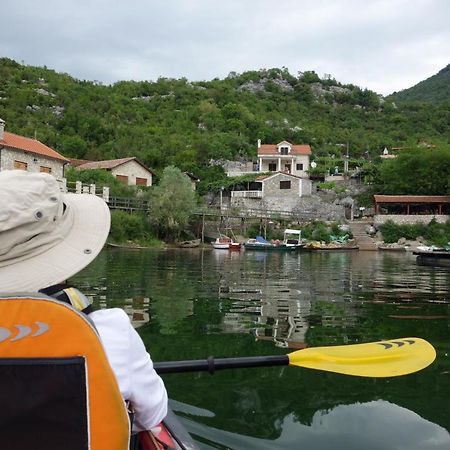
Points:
(285, 184)
(299, 166)
(141, 181)
(284, 150)
(19, 165)
(122, 178)
(272, 167)
(45, 169)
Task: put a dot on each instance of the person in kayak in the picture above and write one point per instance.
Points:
(46, 237)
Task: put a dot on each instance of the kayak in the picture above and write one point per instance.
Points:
(169, 435)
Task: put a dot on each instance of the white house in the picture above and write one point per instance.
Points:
(284, 157)
(130, 170)
(22, 153)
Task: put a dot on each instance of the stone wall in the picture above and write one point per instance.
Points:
(34, 161)
(400, 219)
(133, 169)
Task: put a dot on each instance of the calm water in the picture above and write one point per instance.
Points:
(192, 303)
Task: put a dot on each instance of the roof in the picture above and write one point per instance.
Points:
(77, 162)
(16, 142)
(109, 164)
(412, 198)
(272, 149)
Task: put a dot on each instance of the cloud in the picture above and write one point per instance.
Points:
(384, 45)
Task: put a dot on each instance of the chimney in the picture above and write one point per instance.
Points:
(2, 129)
(259, 143)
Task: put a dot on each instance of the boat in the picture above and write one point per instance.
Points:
(292, 239)
(259, 243)
(226, 243)
(193, 243)
(430, 257)
(291, 242)
(171, 434)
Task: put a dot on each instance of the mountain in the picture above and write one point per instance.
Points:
(189, 123)
(435, 90)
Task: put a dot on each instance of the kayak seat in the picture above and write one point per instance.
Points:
(57, 389)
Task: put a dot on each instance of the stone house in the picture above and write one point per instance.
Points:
(278, 192)
(129, 171)
(22, 153)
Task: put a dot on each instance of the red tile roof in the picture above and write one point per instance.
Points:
(412, 198)
(109, 164)
(17, 142)
(272, 149)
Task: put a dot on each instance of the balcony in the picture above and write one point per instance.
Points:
(246, 194)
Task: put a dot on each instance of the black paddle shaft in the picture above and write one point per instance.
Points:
(211, 365)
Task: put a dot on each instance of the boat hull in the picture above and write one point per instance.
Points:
(173, 435)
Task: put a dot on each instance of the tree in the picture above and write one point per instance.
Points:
(172, 203)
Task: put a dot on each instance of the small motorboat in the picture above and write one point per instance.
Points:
(259, 243)
(222, 243)
(226, 243)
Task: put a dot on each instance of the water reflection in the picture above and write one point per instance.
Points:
(376, 425)
(193, 303)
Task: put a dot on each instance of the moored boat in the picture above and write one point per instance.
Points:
(222, 243)
(259, 243)
(226, 243)
(293, 239)
(431, 257)
(189, 244)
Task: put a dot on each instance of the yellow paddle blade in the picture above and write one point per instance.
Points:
(375, 359)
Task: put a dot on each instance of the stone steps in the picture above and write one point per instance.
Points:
(362, 239)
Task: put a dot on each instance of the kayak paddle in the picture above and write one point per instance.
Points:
(375, 359)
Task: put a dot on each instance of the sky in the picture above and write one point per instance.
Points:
(382, 45)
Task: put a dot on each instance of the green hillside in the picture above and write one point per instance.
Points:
(186, 123)
(435, 89)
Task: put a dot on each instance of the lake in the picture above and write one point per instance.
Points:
(193, 303)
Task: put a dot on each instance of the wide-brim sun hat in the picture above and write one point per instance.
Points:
(46, 236)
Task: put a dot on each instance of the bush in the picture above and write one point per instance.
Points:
(434, 233)
(129, 227)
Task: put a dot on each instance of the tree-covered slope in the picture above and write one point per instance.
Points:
(186, 124)
(435, 90)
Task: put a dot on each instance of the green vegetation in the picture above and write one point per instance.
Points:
(187, 124)
(132, 229)
(424, 171)
(435, 89)
(172, 203)
(321, 231)
(434, 233)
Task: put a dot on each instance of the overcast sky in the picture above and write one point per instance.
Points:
(383, 45)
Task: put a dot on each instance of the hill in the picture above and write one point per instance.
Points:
(187, 123)
(435, 90)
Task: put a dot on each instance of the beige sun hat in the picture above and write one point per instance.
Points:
(46, 236)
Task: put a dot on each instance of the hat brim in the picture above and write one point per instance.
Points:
(83, 243)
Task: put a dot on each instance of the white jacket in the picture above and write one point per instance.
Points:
(133, 367)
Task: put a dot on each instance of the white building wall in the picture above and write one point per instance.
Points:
(133, 169)
(282, 160)
(33, 161)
